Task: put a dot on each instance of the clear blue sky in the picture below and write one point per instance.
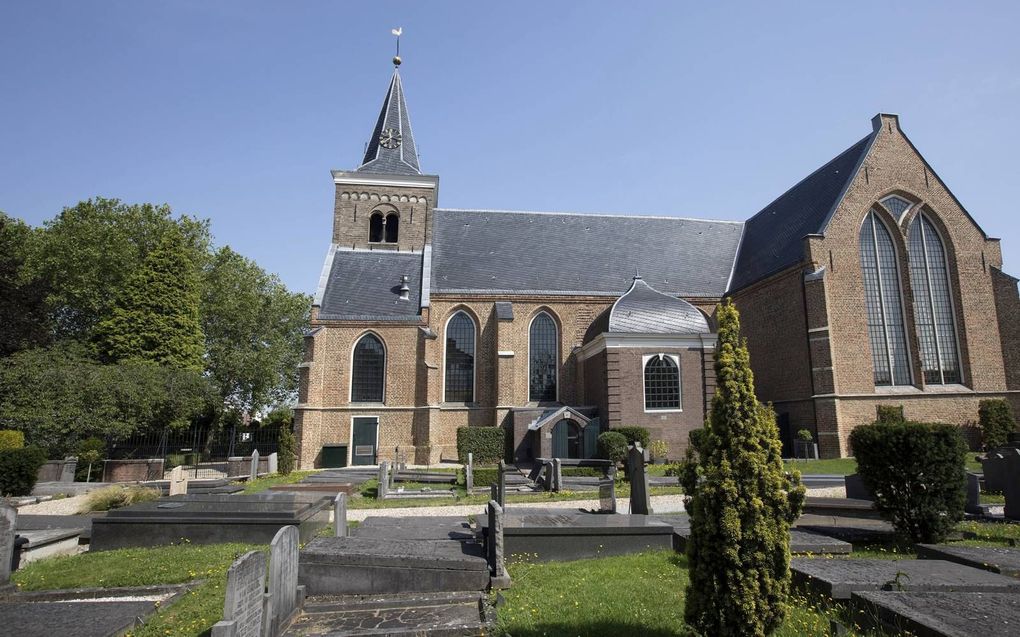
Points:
(237, 111)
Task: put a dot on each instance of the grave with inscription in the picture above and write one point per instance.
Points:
(997, 559)
(178, 481)
(285, 596)
(938, 613)
(434, 527)
(244, 603)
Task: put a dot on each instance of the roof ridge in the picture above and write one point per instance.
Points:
(586, 214)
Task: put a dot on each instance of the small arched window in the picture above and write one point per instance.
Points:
(896, 205)
(392, 227)
(542, 358)
(460, 359)
(933, 306)
(662, 382)
(375, 228)
(368, 370)
(881, 276)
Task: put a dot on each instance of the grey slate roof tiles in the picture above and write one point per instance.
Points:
(402, 160)
(644, 310)
(365, 284)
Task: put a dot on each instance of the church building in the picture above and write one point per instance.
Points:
(867, 283)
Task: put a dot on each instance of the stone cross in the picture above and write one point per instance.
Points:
(607, 492)
(497, 567)
(284, 597)
(640, 501)
(8, 523)
(274, 463)
(243, 607)
(469, 473)
(254, 465)
(340, 515)
(384, 480)
(1011, 486)
(178, 481)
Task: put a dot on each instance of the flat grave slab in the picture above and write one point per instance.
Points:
(848, 529)
(415, 528)
(842, 507)
(933, 614)
(211, 519)
(49, 543)
(446, 614)
(802, 541)
(997, 559)
(838, 578)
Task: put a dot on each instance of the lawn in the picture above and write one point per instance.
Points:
(846, 466)
(263, 484)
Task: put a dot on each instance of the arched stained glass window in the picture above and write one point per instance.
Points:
(460, 359)
(375, 228)
(662, 383)
(392, 227)
(933, 306)
(542, 358)
(368, 370)
(884, 304)
(896, 205)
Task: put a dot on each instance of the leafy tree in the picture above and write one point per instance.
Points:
(24, 313)
(253, 330)
(741, 504)
(156, 316)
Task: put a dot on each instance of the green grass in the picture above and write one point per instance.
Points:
(194, 614)
(263, 484)
(836, 466)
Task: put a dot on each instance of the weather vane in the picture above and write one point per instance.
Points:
(397, 32)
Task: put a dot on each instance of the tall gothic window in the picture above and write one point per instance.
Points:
(368, 370)
(375, 228)
(460, 359)
(542, 358)
(392, 227)
(933, 307)
(662, 383)
(885, 308)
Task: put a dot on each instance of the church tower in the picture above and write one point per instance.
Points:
(385, 203)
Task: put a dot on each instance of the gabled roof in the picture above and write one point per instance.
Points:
(487, 251)
(556, 414)
(402, 160)
(773, 238)
(365, 285)
(643, 310)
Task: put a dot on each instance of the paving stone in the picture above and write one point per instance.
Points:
(934, 614)
(837, 578)
(997, 559)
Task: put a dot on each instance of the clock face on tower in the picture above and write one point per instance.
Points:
(389, 138)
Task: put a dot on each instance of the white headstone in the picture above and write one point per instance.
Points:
(243, 605)
(254, 465)
(283, 578)
(8, 523)
(340, 515)
(273, 462)
(384, 480)
(178, 481)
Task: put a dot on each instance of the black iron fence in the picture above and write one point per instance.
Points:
(192, 447)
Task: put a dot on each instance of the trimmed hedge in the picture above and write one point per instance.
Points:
(612, 446)
(923, 492)
(488, 444)
(486, 476)
(11, 439)
(640, 434)
(997, 422)
(19, 469)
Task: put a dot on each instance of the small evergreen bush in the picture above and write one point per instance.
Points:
(487, 444)
(922, 491)
(485, 476)
(996, 418)
(659, 449)
(612, 446)
(11, 439)
(890, 414)
(805, 435)
(117, 496)
(90, 453)
(19, 469)
(632, 434)
(286, 450)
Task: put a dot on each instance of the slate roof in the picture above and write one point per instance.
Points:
(563, 253)
(644, 310)
(365, 285)
(773, 238)
(402, 160)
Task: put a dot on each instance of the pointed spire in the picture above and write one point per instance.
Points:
(391, 150)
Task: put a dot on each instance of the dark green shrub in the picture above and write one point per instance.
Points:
(11, 439)
(286, 451)
(996, 418)
(487, 444)
(805, 435)
(581, 472)
(90, 453)
(639, 434)
(916, 473)
(890, 414)
(612, 446)
(19, 469)
(486, 476)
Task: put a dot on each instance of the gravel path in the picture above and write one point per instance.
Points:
(63, 506)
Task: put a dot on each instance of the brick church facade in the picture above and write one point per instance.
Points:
(865, 284)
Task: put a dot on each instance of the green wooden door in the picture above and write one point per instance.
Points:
(364, 439)
(560, 439)
(591, 438)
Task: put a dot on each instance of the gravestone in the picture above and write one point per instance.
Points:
(501, 484)
(67, 471)
(557, 477)
(1011, 488)
(494, 539)
(273, 463)
(340, 515)
(640, 501)
(384, 480)
(994, 468)
(973, 504)
(244, 605)
(469, 473)
(855, 489)
(178, 481)
(393, 475)
(284, 596)
(8, 523)
(607, 492)
(253, 474)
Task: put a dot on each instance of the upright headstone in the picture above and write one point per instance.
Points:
(973, 504)
(640, 501)
(501, 481)
(8, 523)
(178, 481)
(469, 473)
(254, 473)
(494, 492)
(340, 515)
(994, 467)
(68, 469)
(855, 489)
(393, 474)
(497, 567)
(384, 480)
(1012, 483)
(244, 605)
(283, 579)
(607, 492)
(273, 462)
(557, 475)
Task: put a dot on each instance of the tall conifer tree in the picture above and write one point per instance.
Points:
(741, 504)
(156, 315)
